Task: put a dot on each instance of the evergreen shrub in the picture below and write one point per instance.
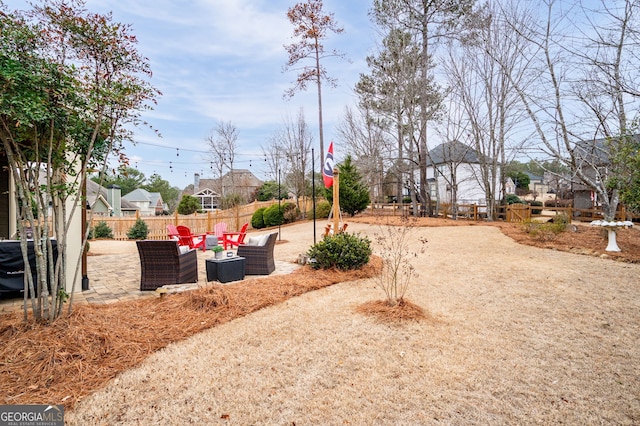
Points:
(343, 251)
(323, 208)
(273, 216)
(102, 230)
(138, 231)
(257, 220)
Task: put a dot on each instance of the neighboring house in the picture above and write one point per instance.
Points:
(509, 186)
(537, 184)
(108, 201)
(558, 184)
(148, 203)
(242, 182)
(210, 191)
(593, 158)
(454, 164)
(206, 190)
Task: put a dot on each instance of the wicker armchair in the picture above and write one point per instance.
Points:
(259, 259)
(162, 263)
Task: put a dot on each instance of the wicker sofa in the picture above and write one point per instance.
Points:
(259, 258)
(161, 263)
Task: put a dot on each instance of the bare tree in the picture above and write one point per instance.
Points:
(294, 142)
(273, 156)
(365, 137)
(584, 66)
(311, 25)
(223, 144)
(483, 88)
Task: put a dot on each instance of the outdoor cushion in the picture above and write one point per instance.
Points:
(263, 239)
(253, 241)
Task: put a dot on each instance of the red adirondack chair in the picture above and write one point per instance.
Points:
(188, 239)
(172, 232)
(234, 238)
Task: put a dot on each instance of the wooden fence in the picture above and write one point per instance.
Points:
(509, 213)
(525, 212)
(199, 223)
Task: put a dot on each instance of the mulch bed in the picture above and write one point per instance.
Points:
(79, 353)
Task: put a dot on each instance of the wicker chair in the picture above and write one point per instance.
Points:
(259, 259)
(162, 263)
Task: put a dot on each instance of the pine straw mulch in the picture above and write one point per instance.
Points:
(79, 353)
(401, 312)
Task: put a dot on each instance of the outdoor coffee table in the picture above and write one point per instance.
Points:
(225, 269)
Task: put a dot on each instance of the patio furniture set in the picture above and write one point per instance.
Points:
(175, 261)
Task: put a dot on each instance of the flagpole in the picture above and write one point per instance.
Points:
(313, 193)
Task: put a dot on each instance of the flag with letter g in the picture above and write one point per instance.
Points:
(327, 168)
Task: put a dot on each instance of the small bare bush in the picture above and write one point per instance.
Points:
(396, 254)
(547, 231)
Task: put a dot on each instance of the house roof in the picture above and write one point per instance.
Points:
(240, 176)
(452, 152)
(143, 195)
(94, 191)
(533, 177)
(249, 178)
(596, 151)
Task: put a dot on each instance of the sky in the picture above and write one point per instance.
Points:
(221, 61)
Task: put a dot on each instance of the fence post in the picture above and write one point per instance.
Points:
(238, 217)
(475, 211)
(175, 217)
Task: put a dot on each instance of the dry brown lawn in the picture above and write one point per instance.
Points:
(511, 334)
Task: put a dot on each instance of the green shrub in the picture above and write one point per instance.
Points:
(343, 251)
(189, 205)
(513, 199)
(138, 231)
(536, 204)
(257, 220)
(290, 212)
(102, 230)
(323, 208)
(273, 216)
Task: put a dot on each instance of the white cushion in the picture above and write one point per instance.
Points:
(253, 241)
(183, 249)
(264, 239)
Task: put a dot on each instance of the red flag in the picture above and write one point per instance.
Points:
(327, 168)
